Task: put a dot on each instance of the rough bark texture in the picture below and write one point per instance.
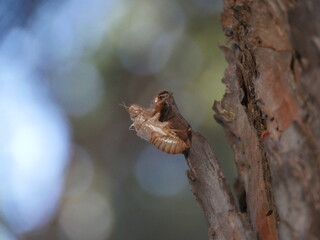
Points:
(271, 113)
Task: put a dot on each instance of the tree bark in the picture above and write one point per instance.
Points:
(271, 113)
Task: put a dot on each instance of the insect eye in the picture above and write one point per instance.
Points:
(135, 113)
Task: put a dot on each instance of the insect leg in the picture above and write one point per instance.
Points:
(132, 127)
(181, 130)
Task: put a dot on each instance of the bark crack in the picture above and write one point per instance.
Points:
(240, 77)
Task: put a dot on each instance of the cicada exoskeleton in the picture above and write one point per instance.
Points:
(161, 134)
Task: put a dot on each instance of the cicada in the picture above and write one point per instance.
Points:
(160, 133)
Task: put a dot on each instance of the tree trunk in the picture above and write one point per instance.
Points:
(271, 113)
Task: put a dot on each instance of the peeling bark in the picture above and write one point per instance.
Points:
(249, 155)
(271, 112)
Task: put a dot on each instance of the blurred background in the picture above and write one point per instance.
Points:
(69, 166)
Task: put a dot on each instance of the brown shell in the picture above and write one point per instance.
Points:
(170, 144)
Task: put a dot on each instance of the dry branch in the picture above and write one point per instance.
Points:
(208, 183)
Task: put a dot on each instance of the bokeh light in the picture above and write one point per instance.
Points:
(161, 174)
(80, 90)
(86, 217)
(145, 46)
(81, 173)
(35, 138)
(70, 169)
(5, 234)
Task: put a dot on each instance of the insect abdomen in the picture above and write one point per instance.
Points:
(170, 144)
